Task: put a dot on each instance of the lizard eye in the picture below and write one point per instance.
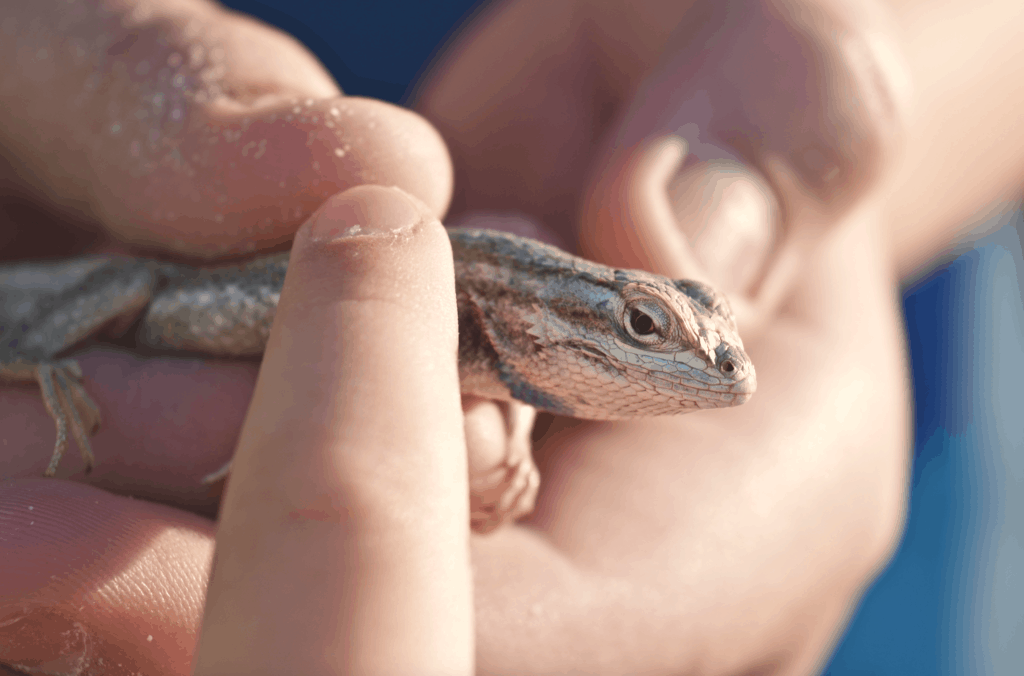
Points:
(641, 323)
(647, 322)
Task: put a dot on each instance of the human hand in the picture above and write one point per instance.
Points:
(343, 546)
(646, 554)
(730, 541)
(186, 127)
(791, 109)
(78, 590)
(209, 157)
(343, 543)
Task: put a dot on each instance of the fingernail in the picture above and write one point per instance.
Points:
(729, 215)
(365, 210)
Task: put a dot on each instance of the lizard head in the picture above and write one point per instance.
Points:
(634, 345)
(586, 340)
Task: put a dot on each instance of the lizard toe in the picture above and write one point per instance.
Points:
(507, 490)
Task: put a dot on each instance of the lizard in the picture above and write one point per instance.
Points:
(538, 328)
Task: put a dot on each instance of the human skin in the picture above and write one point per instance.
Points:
(345, 546)
(380, 492)
(948, 64)
(598, 164)
(726, 542)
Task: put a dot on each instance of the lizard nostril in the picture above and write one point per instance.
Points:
(728, 367)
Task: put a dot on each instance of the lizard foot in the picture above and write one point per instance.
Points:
(506, 491)
(67, 401)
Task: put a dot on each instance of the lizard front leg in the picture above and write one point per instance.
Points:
(503, 480)
(47, 309)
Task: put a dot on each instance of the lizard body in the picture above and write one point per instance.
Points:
(535, 324)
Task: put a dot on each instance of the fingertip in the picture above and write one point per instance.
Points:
(288, 164)
(368, 210)
(377, 242)
(378, 245)
(366, 332)
(254, 177)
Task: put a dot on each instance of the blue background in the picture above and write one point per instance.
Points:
(952, 601)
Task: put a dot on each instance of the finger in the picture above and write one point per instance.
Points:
(806, 85)
(184, 126)
(92, 582)
(348, 497)
(807, 164)
(715, 222)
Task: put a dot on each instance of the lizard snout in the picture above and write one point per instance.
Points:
(743, 389)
